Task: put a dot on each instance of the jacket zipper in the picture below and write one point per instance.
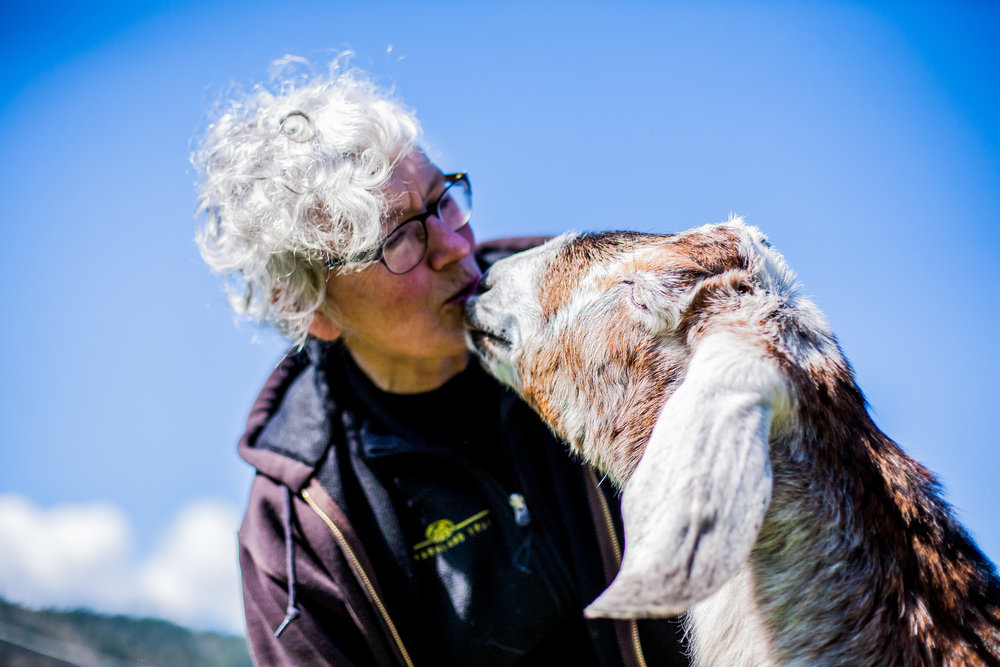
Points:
(616, 546)
(346, 547)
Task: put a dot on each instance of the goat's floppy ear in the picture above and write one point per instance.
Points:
(694, 504)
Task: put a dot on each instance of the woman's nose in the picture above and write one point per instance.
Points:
(447, 246)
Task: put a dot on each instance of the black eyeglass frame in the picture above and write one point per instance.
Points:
(377, 254)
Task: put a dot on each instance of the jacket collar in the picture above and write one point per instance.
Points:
(289, 429)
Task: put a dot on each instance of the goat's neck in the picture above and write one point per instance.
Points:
(728, 627)
(855, 566)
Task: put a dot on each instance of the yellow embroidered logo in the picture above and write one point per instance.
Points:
(443, 534)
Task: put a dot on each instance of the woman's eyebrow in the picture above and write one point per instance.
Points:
(427, 196)
(396, 217)
(436, 181)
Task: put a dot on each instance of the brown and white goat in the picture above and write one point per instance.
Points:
(758, 495)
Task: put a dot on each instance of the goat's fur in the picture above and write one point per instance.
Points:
(758, 495)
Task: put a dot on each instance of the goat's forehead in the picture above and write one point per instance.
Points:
(579, 256)
(604, 256)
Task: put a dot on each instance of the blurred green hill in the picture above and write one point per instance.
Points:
(51, 638)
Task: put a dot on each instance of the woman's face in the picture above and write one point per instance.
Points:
(405, 331)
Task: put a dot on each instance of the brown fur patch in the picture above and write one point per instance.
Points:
(916, 585)
(576, 260)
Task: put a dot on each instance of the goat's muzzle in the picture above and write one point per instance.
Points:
(481, 337)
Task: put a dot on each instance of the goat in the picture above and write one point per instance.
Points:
(758, 495)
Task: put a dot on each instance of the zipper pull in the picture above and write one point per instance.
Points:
(521, 515)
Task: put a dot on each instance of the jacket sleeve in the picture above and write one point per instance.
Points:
(489, 252)
(326, 630)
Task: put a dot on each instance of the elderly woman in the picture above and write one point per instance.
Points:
(406, 508)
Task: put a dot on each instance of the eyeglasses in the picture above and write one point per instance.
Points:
(404, 247)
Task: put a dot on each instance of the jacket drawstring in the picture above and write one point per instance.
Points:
(292, 610)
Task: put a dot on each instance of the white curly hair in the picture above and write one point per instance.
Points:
(293, 174)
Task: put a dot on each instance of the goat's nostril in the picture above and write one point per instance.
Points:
(483, 286)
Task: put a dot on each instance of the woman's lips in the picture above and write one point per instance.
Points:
(467, 290)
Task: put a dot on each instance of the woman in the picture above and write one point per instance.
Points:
(406, 509)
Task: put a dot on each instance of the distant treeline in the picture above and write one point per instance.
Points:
(85, 639)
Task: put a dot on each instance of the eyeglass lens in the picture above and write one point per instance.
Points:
(405, 247)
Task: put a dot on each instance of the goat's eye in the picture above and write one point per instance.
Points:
(635, 302)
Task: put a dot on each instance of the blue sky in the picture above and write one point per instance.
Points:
(862, 137)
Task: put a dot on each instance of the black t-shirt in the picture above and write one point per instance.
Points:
(467, 550)
(461, 416)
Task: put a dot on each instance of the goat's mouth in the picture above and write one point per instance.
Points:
(487, 343)
(481, 338)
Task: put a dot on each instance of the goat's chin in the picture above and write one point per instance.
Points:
(487, 344)
(495, 364)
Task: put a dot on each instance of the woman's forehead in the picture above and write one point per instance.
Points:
(414, 179)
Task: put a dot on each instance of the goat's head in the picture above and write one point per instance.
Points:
(664, 361)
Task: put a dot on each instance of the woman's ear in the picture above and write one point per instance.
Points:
(323, 327)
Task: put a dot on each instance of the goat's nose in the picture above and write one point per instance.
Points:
(484, 284)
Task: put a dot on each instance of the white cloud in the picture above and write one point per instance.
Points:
(82, 556)
(193, 577)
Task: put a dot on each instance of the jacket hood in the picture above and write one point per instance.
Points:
(288, 430)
